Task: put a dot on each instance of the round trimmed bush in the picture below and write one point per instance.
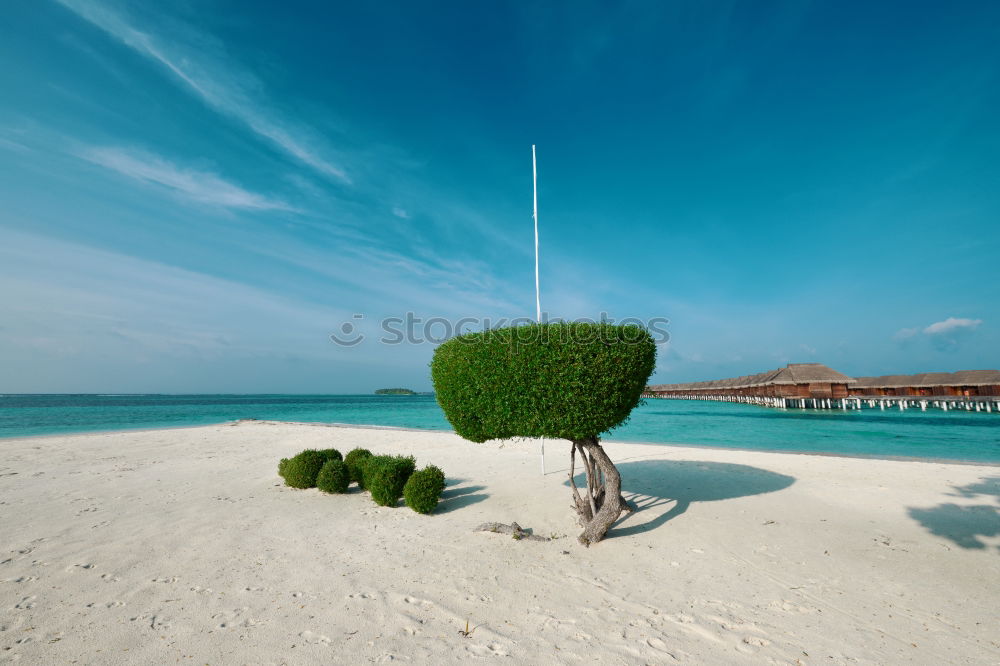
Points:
(301, 471)
(333, 477)
(354, 461)
(331, 454)
(563, 380)
(423, 489)
(385, 477)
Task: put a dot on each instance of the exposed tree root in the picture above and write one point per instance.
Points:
(601, 503)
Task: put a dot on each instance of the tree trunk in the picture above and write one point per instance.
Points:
(603, 503)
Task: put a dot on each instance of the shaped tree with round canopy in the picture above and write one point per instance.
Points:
(565, 380)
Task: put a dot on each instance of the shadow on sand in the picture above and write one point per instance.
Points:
(650, 484)
(963, 525)
(456, 496)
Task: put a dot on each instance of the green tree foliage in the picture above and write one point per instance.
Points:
(333, 477)
(385, 477)
(566, 380)
(423, 489)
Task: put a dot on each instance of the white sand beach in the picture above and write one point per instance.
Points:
(182, 546)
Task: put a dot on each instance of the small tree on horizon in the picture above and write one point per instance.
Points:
(564, 380)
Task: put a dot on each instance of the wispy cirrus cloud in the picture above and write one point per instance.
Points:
(201, 66)
(198, 186)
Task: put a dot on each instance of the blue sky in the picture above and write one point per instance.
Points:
(194, 195)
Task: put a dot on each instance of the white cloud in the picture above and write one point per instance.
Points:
(943, 335)
(400, 213)
(200, 186)
(202, 67)
(952, 324)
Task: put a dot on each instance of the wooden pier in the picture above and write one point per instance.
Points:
(984, 404)
(816, 386)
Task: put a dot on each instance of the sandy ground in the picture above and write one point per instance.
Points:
(181, 546)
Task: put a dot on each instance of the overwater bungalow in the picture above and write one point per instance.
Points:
(795, 380)
(819, 385)
(967, 383)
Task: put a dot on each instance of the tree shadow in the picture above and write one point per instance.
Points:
(964, 525)
(650, 484)
(455, 497)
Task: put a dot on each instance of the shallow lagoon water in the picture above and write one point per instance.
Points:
(911, 434)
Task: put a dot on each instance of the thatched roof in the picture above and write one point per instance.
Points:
(960, 378)
(793, 373)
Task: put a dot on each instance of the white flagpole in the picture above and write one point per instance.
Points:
(534, 177)
(538, 297)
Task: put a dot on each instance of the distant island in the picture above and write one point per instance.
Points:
(395, 391)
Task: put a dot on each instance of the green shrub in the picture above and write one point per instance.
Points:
(281, 467)
(354, 461)
(423, 489)
(331, 454)
(333, 477)
(566, 380)
(301, 471)
(385, 477)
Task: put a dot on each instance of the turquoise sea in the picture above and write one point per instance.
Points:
(910, 434)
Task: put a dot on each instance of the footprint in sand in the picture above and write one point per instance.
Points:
(26, 603)
(658, 645)
(234, 618)
(154, 621)
(488, 650)
(414, 601)
(315, 639)
(77, 567)
(756, 641)
(158, 622)
(171, 579)
(359, 595)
